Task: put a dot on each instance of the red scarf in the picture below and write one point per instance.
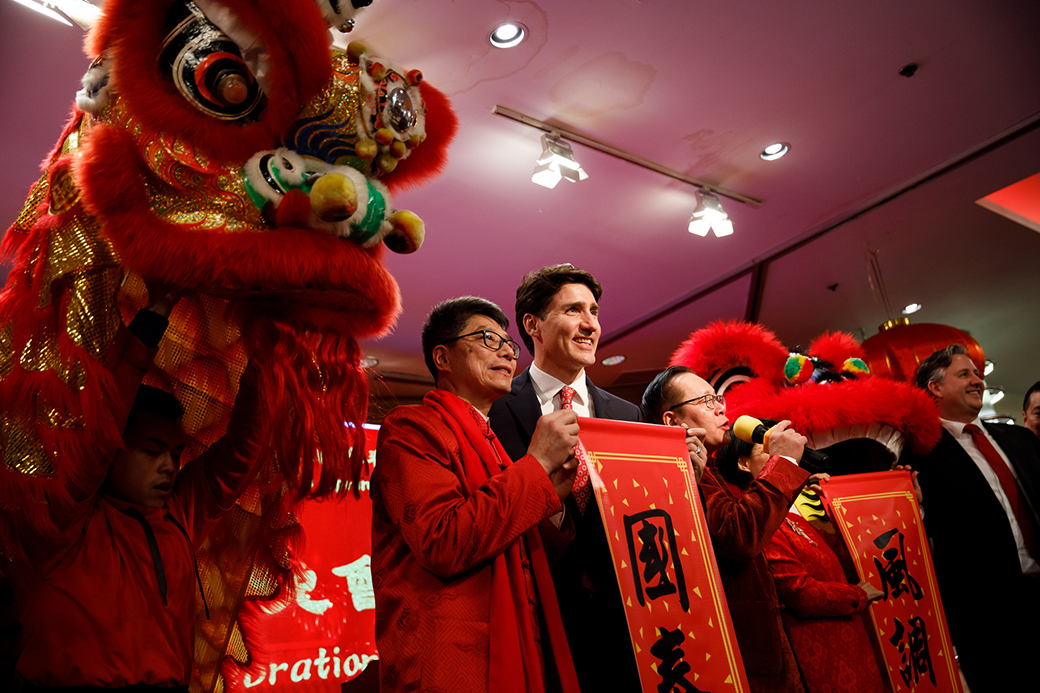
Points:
(514, 654)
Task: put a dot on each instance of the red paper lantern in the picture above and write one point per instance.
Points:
(899, 348)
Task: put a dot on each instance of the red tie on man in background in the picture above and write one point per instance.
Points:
(1007, 481)
(582, 489)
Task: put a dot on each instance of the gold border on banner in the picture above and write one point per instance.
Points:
(698, 535)
(934, 601)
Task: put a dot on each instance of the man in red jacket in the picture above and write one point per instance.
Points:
(464, 598)
(740, 525)
(109, 585)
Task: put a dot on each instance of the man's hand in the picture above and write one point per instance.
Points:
(873, 593)
(552, 444)
(698, 453)
(785, 442)
(913, 480)
(813, 482)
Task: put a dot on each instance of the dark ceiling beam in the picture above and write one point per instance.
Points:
(755, 292)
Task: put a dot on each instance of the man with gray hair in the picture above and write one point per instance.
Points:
(981, 487)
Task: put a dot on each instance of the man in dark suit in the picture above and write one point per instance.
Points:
(557, 315)
(980, 486)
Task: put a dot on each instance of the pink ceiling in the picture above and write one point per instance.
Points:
(700, 87)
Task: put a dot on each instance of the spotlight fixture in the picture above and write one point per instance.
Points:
(709, 215)
(84, 13)
(368, 362)
(988, 369)
(775, 151)
(614, 360)
(912, 308)
(555, 162)
(43, 9)
(1006, 420)
(992, 395)
(508, 35)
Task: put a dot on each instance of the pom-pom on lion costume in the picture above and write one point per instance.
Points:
(223, 149)
(862, 422)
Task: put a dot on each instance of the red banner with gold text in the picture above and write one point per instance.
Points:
(677, 614)
(879, 519)
(325, 636)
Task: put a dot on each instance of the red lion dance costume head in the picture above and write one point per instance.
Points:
(827, 393)
(224, 149)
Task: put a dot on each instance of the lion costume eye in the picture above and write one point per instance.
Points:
(399, 112)
(206, 66)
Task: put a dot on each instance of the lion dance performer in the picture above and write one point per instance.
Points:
(227, 153)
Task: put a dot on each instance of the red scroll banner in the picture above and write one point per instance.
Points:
(677, 613)
(879, 520)
(325, 636)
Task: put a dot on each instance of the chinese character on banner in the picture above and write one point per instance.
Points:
(879, 519)
(678, 619)
(325, 636)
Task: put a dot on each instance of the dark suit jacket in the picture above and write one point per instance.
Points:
(989, 605)
(594, 619)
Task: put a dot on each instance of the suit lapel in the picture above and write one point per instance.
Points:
(949, 449)
(600, 404)
(523, 404)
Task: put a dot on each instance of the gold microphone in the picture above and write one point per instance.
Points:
(751, 430)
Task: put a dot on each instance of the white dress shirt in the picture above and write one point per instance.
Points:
(956, 429)
(548, 387)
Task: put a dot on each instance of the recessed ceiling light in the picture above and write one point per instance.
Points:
(369, 362)
(775, 151)
(613, 360)
(912, 308)
(508, 35)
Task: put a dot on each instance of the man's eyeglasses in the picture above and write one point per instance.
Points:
(709, 401)
(492, 340)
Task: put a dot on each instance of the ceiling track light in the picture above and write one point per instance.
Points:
(708, 215)
(556, 132)
(556, 162)
(992, 395)
(84, 13)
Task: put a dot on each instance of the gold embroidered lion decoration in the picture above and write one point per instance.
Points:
(225, 149)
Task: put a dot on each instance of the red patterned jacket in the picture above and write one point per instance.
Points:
(432, 548)
(741, 524)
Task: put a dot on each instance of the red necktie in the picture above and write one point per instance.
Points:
(582, 489)
(1007, 482)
